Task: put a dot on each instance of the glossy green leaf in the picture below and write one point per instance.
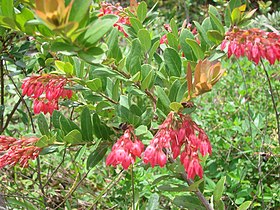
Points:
(173, 62)
(95, 157)
(189, 202)
(174, 28)
(172, 41)
(215, 36)
(217, 23)
(202, 33)
(189, 54)
(136, 24)
(100, 130)
(195, 48)
(133, 64)
(142, 11)
(43, 125)
(42, 142)
(148, 80)
(86, 125)
(73, 137)
(114, 50)
(147, 116)
(235, 16)
(95, 84)
(171, 188)
(7, 8)
(195, 186)
(153, 50)
(219, 189)
(245, 205)
(163, 97)
(99, 28)
(219, 205)
(62, 46)
(175, 106)
(79, 10)
(145, 39)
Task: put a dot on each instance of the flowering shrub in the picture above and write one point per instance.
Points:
(108, 68)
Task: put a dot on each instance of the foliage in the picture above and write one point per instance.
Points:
(105, 76)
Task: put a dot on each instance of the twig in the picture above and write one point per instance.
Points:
(108, 98)
(40, 180)
(55, 170)
(11, 115)
(2, 101)
(273, 101)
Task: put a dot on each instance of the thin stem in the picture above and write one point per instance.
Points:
(273, 101)
(198, 193)
(10, 116)
(132, 186)
(55, 170)
(40, 180)
(2, 101)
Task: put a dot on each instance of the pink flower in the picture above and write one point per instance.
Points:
(254, 43)
(17, 151)
(125, 150)
(179, 135)
(46, 90)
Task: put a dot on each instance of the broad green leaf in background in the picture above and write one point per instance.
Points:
(145, 39)
(153, 50)
(219, 189)
(142, 11)
(95, 157)
(163, 97)
(74, 137)
(195, 48)
(99, 28)
(189, 54)
(190, 202)
(245, 205)
(95, 85)
(86, 125)
(79, 9)
(133, 64)
(153, 203)
(136, 24)
(7, 8)
(43, 125)
(174, 28)
(173, 62)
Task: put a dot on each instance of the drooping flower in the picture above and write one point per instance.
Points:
(46, 90)
(206, 74)
(180, 136)
(253, 43)
(125, 150)
(118, 10)
(13, 151)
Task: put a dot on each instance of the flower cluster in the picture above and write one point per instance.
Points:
(125, 150)
(13, 151)
(108, 8)
(254, 43)
(46, 90)
(179, 135)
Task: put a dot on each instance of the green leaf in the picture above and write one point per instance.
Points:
(195, 186)
(148, 80)
(189, 202)
(189, 54)
(170, 188)
(215, 36)
(147, 116)
(136, 24)
(142, 11)
(235, 16)
(13, 203)
(89, 55)
(99, 28)
(133, 64)
(162, 97)
(100, 131)
(153, 50)
(114, 50)
(245, 205)
(7, 8)
(79, 10)
(86, 125)
(144, 38)
(95, 157)
(62, 46)
(172, 41)
(217, 23)
(195, 48)
(55, 119)
(74, 137)
(95, 85)
(219, 189)
(174, 28)
(42, 142)
(153, 203)
(219, 205)
(202, 33)
(173, 62)
(175, 106)
(65, 124)
(68, 68)
(43, 125)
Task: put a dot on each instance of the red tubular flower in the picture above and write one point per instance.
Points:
(177, 132)
(46, 90)
(254, 43)
(108, 8)
(125, 150)
(15, 151)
